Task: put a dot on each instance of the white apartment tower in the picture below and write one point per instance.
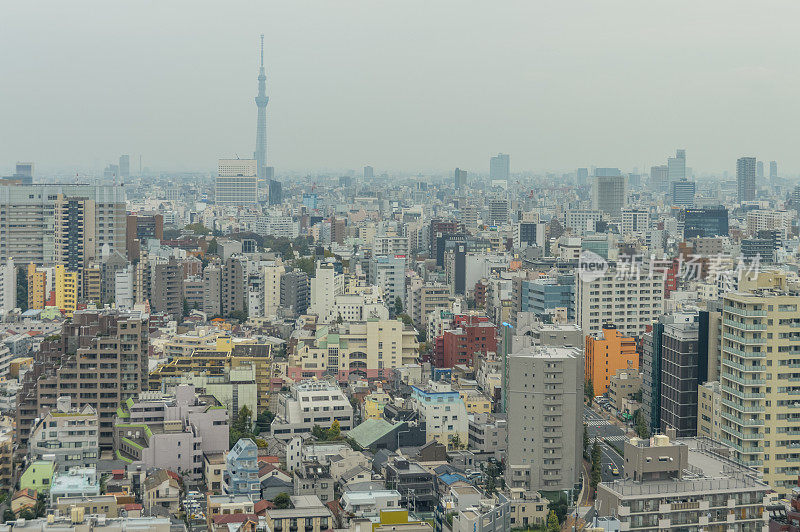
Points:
(237, 182)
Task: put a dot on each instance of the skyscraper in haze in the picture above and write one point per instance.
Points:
(608, 192)
(773, 170)
(460, 177)
(676, 167)
(260, 155)
(746, 178)
(24, 172)
(583, 177)
(369, 172)
(500, 167)
(124, 166)
(760, 169)
(659, 178)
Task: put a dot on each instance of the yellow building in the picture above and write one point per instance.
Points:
(37, 287)
(374, 403)
(66, 288)
(760, 383)
(211, 361)
(91, 285)
(475, 401)
(398, 521)
(708, 410)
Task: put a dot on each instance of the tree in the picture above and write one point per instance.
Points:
(40, 508)
(596, 475)
(238, 315)
(398, 306)
(305, 265)
(198, 229)
(334, 432)
(455, 442)
(588, 389)
(213, 247)
(22, 289)
(241, 427)
(405, 318)
(8, 515)
(27, 514)
(319, 433)
(263, 421)
(282, 501)
(552, 522)
(585, 441)
(186, 309)
(640, 425)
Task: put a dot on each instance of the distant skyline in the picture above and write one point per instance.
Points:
(403, 86)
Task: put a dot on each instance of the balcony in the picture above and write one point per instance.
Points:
(748, 409)
(744, 312)
(741, 421)
(745, 326)
(742, 395)
(743, 340)
(744, 367)
(744, 382)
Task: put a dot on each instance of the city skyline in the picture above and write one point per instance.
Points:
(331, 94)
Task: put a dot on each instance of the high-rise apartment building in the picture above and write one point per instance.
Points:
(237, 182)
(100, 359)
(166, 293)
(758, 385)
(389, 273)
(632, 303)
(635, 221)
(275, 192)
(234, 286)
(295, 292)
(746, 179)
(608, 194)
(545, 400)
(682, 371)
(30, 230)
(498, 211)
(500, 167)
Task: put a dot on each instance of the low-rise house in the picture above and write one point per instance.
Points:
(213, 468)
(355, 475)
(77, 482)
(162, 490)
(528, 509)
(314, 478)
(67, 435)
(409, 477)
(488, 515)
(22, 499)
(228, 504)
(370, 503)
(95, 504)
(241, 469)
(308, 511)
(624, 385)
(38, 476)
(80, 521)
(273, 486)
(345, 461)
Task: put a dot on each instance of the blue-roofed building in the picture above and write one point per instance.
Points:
(451, 478)
(444, 413)
(542, 296)
(241, 469)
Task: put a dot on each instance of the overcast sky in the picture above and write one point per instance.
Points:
(403, 85)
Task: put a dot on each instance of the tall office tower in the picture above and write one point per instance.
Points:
(582, 176)
(24, 172)
(237, 182)
(676, 166)
(773, 170)
(545, 400)
(166, 293)
(759, 169)
(124, 166)
(500, 167)
(234, 286)
(608, 194)
(682, 371)
(260, 154)
(635, 221)
(369, 172)
(683, 193)
(498, 211)
(275, 192)
(609, 300)
(28, 224)
(111, 171)
(652, 347)
(758, 382)
(103, 354)
(710, 221)
(460, 177)
(659, 178)
(746, 178)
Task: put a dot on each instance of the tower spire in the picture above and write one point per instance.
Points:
(260, 153)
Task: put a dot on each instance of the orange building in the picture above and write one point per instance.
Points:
(606, 352)
(37, 287)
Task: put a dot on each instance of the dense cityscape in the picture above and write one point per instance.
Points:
(487, 349)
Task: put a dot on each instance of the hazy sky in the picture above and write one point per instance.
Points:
(407, 85)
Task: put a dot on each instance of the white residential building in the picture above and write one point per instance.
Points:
(764, 220)
(582, 222)
(390, 245)
(237, 182)
(310, 403)
(68, 434)
(632, 303)
(444, 413)
(272, 288)
(8, 287)
(325, 286)
(635, 222)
